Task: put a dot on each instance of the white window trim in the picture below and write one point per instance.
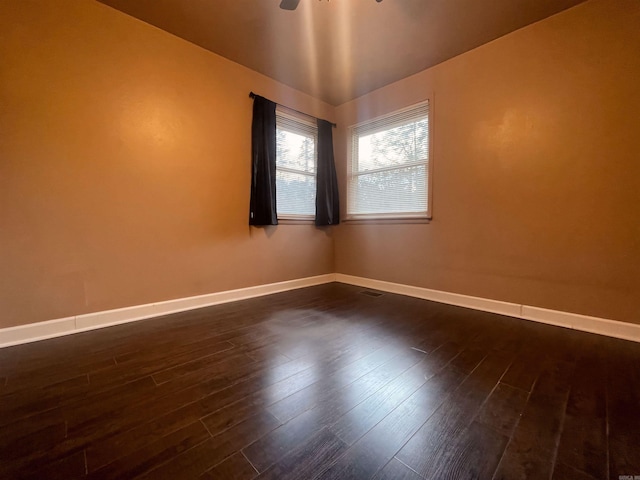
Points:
(290, 218)
(393, 217)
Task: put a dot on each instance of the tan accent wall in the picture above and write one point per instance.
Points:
(125, 167)
(536, 187)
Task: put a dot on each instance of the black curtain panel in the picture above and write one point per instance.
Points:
(327, 200)
(263, 163)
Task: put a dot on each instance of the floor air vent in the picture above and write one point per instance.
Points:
(369, 293)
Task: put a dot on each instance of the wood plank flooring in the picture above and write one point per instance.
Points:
(322, 383)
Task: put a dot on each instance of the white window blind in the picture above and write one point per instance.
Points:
(296, 154)
(389, 165)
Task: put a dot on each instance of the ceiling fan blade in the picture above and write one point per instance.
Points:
(289, 4)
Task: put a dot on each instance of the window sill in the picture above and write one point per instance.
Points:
(386, 220)
(296, 221)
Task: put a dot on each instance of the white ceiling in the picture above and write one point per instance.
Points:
(337, 50)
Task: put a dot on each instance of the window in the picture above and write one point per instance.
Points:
(389, 166)
(296, 155)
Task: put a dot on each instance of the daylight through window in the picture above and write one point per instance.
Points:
(296, 154)
(389, 167)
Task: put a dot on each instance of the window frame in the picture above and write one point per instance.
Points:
(393, 217)
(305, 125)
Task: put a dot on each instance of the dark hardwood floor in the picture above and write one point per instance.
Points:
(325, 383)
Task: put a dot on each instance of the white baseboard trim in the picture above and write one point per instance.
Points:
(601, 326)
(91, 321)
(81, 323)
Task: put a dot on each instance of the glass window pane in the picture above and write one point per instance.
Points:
(295, 151)
(389, 169)
(393, 191)
(403, 144)
(295, 193)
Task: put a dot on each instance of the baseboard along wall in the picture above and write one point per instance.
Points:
(81, 323)
(601, 326)
(91, 321)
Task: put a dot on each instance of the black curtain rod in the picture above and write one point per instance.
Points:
(253, 95)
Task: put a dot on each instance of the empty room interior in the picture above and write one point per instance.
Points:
(320, 239)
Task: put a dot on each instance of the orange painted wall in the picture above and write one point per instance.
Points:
(536, 187)
(125, 167)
